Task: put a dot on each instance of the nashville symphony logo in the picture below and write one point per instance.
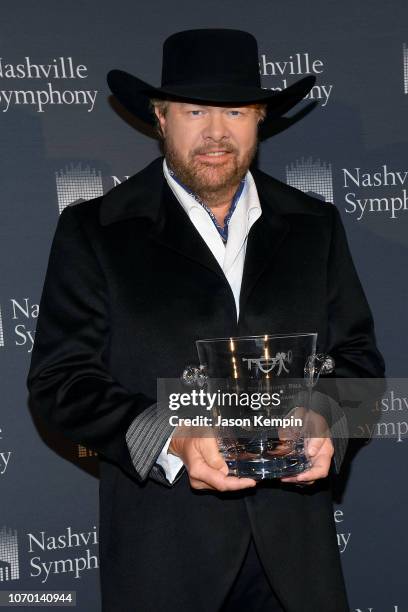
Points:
(366, 191)
(73, 549)
(4, 456)
(313, 177)
(76, 182)
(22, 314)
(379, 190)
(55, 84)
(297, 64)
(343, 537)
(9, 567)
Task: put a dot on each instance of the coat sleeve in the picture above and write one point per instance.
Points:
(69, 384)
(144, 438)
(351, 342)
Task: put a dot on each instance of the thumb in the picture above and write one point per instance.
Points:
(313, 446)
(212, 455)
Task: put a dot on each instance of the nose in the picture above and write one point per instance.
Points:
(215, 128)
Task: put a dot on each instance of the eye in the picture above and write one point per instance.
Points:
(196, 112)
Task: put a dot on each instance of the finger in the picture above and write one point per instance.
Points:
(199, 484)
(320, 470)
(202, 473)
(320, 466)
(227, 485)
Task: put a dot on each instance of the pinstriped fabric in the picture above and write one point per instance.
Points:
(157, 473)
(145, 438)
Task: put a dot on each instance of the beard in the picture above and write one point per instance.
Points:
(210, 181)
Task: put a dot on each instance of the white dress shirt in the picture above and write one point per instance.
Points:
(230, 257)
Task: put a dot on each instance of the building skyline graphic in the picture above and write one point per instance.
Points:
(310, 175)
(75, 182)
(9, 567)
(405, 66)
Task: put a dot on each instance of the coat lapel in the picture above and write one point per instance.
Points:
(147, 194)
(265, 238)
(175, 231)
(280, 204)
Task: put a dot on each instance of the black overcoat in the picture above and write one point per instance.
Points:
(130, 285)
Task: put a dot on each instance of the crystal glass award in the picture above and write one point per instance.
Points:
(260, 388)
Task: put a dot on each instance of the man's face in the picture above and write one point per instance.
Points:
(210, 148)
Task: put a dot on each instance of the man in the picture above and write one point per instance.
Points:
(197, 246)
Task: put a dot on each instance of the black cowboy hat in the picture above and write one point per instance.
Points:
(216, 66)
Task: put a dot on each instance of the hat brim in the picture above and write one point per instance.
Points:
(135, 94)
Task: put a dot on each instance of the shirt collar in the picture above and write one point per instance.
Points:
(189, 201)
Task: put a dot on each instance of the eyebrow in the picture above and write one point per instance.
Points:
(184, 104)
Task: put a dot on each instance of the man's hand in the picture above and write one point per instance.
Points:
(319, 450)
(205, 465)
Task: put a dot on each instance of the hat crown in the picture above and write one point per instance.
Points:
(211, 56)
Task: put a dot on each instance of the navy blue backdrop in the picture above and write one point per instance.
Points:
(61, 140)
